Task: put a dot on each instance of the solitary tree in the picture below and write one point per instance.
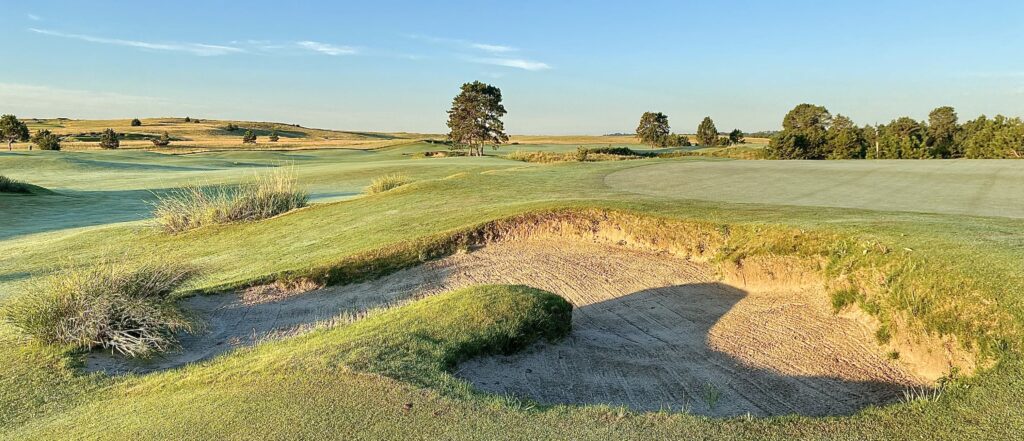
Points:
(109, 140)
(11, 130)
(273, 136)
(736, 137)
(46, 140)
(249, 137)
(136, 122)
(188, 119)
(475, 117)
(653, 129)
(707, 134)
(942, 131)
(163, 141)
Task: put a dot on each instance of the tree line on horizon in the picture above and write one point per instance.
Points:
(808, 132)
(812, 132)
(655, 131)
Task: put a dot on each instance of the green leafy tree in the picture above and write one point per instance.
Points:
(707, 133)
(188, 119)
(163, 141)
(903, 138)
(804, 134)
(46, 140)
(248, 137)
(942, 133)
(136, 122)
(653, 129)
(997, 137)
(475, 118)
(736, 137)
(273, 136)
(109, 139)
(845, 140)
(12, 130)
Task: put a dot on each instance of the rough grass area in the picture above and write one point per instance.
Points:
(387, 182)
(582, 154)
(119, 305)
(262, 197)
(742, 151)
(8, 185)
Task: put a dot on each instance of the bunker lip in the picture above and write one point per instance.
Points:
(650, 331)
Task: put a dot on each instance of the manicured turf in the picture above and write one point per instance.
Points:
(325, 385)
(971, 187)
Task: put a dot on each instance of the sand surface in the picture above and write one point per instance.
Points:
(650, 331)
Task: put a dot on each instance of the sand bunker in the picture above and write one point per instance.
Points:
(650, 331)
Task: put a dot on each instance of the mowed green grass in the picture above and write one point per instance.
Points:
(966, 187)
(312, 387)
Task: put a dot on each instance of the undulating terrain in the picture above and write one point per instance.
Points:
(651, 297)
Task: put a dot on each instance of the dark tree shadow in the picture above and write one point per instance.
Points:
(650, 351)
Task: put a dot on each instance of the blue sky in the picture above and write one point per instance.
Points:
(565, 67)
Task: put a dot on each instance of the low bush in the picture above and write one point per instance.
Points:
(263, 197)
(114, 305)
(387, 182)
(110, 139)
(46, 140)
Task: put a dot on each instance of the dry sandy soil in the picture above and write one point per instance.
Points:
(650, 331)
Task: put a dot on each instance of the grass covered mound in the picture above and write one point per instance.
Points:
(114, 305)
(424, 340)
(8, 185)
(262, 197)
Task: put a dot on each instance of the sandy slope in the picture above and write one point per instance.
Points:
(650, 331)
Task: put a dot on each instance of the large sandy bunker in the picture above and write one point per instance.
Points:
(650, 331)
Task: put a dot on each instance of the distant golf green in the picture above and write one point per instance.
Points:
(966, 187)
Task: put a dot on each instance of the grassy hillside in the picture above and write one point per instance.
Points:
(387, 377)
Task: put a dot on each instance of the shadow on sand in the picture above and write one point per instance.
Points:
(650, 351)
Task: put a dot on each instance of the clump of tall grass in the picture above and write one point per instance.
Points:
(387, 182)
(118, 305)
(262, 197)
(8, 185)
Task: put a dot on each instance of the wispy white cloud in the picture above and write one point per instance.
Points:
(200, 49)
(34, 17)
(493, 48)
(499, 54)
(517, 63)
(326, 48)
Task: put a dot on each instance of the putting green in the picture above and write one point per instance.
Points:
(968, 187)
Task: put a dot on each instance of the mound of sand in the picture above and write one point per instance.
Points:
(650, 331)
